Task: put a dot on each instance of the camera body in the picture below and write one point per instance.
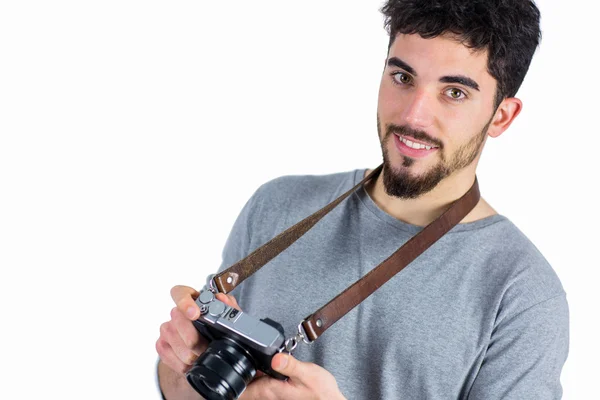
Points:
(239, 345)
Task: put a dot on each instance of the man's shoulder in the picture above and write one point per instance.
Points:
(306, 190)
(516, 261)
(281, 202)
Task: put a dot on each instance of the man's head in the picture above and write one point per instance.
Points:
(452, 71)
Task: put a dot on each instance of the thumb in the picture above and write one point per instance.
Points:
(288, 365)
(184, 297)
(306, 374)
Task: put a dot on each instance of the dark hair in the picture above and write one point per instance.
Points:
(508, 29)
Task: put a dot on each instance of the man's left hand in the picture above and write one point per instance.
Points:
(307, 382)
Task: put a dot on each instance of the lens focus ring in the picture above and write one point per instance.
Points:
(223, 371)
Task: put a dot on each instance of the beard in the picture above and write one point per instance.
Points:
(401, 184)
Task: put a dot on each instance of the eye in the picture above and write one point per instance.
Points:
(401, 78)
(456, 94)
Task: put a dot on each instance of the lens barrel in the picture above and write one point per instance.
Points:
(222, 372)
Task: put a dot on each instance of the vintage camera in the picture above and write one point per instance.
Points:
(239, 346)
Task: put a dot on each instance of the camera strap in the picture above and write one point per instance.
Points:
(315, 324)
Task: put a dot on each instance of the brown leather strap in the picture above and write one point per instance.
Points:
(315, 324)
(230, 278)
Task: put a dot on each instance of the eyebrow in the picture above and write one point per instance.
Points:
(463, 80)
(396, 62)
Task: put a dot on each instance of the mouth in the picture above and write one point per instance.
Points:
(413, 148)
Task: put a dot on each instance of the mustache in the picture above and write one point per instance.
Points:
(404, 130)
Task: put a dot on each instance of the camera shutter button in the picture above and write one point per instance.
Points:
(206, 297)
(216, 309)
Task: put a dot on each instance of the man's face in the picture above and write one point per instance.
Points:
(438, 93)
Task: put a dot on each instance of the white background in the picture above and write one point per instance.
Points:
(132, 133)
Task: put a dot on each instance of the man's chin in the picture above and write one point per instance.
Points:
(406, 183)
(399, 170)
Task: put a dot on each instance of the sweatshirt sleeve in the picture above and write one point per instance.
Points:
(526, 354)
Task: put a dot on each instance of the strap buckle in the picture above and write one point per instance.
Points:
(292, 342)
(211, 285)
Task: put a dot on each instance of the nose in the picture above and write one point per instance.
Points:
(418, 110)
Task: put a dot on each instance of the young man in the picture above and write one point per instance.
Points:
(480, 314)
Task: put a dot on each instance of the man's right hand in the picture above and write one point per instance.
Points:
(180, 344)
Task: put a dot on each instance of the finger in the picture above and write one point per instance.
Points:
(169, 334)
(188, 332)
(168, 357)
(184, 297)
(229, 300)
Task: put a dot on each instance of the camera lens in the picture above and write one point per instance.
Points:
(222, 372)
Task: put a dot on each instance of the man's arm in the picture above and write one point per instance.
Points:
(171, 381)
(526, 354)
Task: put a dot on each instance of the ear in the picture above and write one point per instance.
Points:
(505, 114)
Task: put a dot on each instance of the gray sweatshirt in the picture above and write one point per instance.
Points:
(479, 315)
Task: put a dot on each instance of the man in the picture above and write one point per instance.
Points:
(479, 315)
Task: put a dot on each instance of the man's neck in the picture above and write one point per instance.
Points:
(426, 208)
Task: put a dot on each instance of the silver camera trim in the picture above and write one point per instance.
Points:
(243, 327)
